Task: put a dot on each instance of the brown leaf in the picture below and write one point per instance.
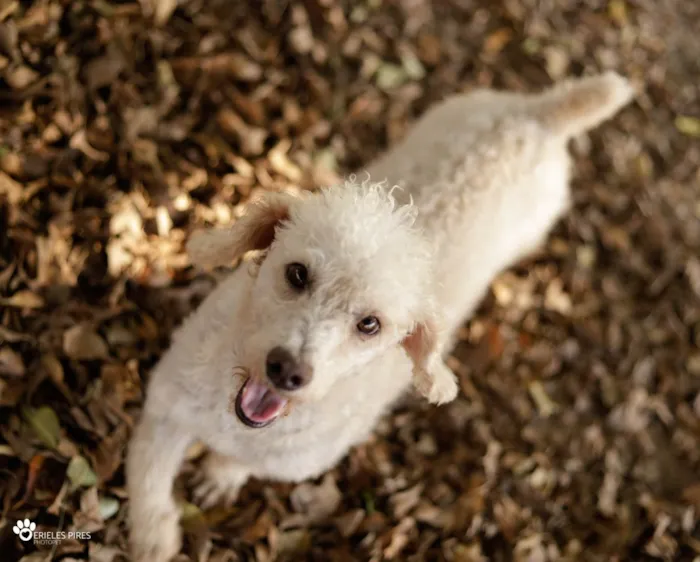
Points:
(11, 363)
(81, 343)
(10, 188)
(11, 391)
(23, 299)
(495, 342)
(104, 553)
(495, 42)
(281, 163)
(348, 523)
(399, 538)
(110, 453)
(89, 518)
(260, 528)
(403, 502)
(316, 502)
(296, 542)
(20, 77)
(103, 71)
(691, 494)
(34, 469)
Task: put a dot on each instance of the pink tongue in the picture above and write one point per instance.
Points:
(259, 403)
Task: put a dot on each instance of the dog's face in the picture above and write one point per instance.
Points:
(344, 277)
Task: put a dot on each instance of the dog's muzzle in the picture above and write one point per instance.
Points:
(258, 405)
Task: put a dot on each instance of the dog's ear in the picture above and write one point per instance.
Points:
(255, 230)
(431, 377)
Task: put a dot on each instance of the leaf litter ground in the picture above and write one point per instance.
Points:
(124, 125)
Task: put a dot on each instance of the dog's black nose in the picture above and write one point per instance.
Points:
(284, 371)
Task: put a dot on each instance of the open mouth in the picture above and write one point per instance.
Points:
(257, 405)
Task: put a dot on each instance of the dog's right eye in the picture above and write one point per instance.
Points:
(297, 276)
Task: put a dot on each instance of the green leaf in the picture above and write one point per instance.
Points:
(80, 474)
(108, 507)
(687, 125)
(191, 517)
(368, 500)
(45, 425)
(390, 76)
(413, 66)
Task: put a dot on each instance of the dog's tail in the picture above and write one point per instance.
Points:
(575, 106)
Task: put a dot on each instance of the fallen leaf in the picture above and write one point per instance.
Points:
(316, 502)
(495, 42)
(81, 343)
(44, 423)
(21, 77)
(390, 76)
(412, 66)
(89, 518)
(38, 556)
(281, 163)
(7, 451)
(557, 299)
(259, 528)
(468, 553)
(79, 473)
(109, 507)
(9, 187)
(34, 469)
(162, 10)
(11, 391)
(11, 363)
(103, 553)
(56, 506)
(545, 405)
(617, 10)
(80, 142)
(348, 523)
(191, 517)
(402, 503)
(687, 125)
(368, 502)
(495, 341)
(296, 542)
(110, 452)
(399, 538)
(23, 299)
(557, 61)
(103, 71)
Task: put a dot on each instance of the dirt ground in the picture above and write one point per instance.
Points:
(123, 125)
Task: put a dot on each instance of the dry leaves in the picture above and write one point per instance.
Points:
(126, 125)
(82, 343)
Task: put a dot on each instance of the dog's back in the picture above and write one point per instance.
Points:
(489, 173)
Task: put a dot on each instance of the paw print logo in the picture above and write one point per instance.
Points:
(25, 529)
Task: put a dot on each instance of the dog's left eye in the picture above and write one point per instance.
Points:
(369, 325)
(297, 276)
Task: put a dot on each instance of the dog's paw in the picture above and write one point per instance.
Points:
(209, 493)
(157, 538)
(219, 481)
(439, 386)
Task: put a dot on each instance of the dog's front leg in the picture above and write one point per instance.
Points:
(219, 481)
(155, 454)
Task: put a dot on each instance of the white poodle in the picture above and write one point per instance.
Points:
(356, 292)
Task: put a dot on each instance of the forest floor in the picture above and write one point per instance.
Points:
(577, 432)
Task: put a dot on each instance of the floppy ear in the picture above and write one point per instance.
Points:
(431, 377)
(255, 230)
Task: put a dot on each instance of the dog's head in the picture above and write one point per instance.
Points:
(344, 276)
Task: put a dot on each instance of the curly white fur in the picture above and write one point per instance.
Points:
(487, 174)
